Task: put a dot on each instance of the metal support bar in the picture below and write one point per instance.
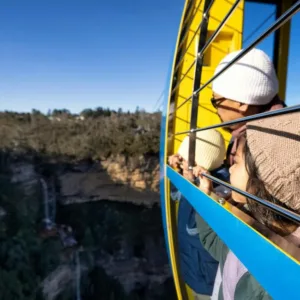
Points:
(211, 39)
(197, 81)
(186, 24)
(281, 51)
(217, 31)
(191, 41)
(272, 206)
(279, 22)
(271, 113)
(260, 26)
(188, 12)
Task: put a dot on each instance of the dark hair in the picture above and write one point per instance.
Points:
(266, 107)
(255, 186)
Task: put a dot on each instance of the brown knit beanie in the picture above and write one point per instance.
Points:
(274, 144)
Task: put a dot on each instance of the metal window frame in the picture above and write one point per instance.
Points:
(285, 17)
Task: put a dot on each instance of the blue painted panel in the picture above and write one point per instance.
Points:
(276, 272)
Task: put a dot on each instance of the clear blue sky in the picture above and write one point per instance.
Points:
(84, 54)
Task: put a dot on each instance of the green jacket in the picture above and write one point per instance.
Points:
(247, 288)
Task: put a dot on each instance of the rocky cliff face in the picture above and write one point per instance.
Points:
(117, 178)
(24, 173)
(112, 208)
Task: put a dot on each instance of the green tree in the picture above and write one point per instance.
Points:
(10, 286)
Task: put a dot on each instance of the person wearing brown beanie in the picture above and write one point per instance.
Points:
(266, 164)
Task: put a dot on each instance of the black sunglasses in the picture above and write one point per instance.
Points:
(216, 102)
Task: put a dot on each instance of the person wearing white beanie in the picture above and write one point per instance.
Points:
(210, 149)
(248, 87)
(198, 268)
(251, 80)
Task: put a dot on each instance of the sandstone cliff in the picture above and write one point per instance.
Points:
(112, 208)
(116, 178)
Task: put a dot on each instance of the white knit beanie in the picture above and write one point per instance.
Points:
(210, 149)
(251, 80)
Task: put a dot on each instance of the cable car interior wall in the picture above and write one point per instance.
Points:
(208, 31)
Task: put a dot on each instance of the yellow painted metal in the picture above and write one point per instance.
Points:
(171, 220)
(229, 39)
(282, 46)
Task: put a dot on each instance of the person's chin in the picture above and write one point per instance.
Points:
(236, 197)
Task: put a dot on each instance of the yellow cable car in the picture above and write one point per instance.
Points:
(208, 31)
